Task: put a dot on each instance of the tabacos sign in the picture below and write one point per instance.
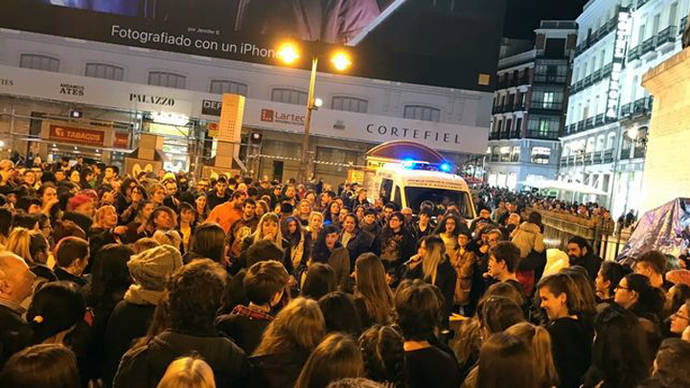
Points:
(76, 135)
(274, 116)
(151, 99)
(6, 82)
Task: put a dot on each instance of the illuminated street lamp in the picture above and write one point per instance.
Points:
(289, 53)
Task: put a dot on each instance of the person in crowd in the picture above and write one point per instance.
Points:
(71, 257)
(635, 293)
(538, 341)
(156, 193)
(465, 265)
(423, 227)
(314, 227)
(373, 297)
(571, 334)
(337, 356)
(608, 277)
(432, 265)
(130, 232)
(267, 229)
(201, 205)
(227, 213)
(680, 319)
(586, 300)
(264, 285)
(448, 230)
(319, 280)
(497, 313)
(397, 242)
(195, 292)
(340, 313)
(370, 225)
(286, 344)
(652, 264)
(302, 212)
(328, 250)
(620, 357)
(676, 297)
(528, 237)
(208, 242)
(187, 217)
(296, 236)
(243, 227)
(384, 355)
(133, 314)
(505, 360)
(188, 372)
(19, 243)
(354, 239)
(671, 366)
(16, 281)
(580, 253)
(483, 218)
(42, 365)
(419, 308)
(331, 216)
(504, 259)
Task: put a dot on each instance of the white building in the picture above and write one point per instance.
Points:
(529, 105)
(618, 41)
(356, 114)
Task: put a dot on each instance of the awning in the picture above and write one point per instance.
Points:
(564, 186)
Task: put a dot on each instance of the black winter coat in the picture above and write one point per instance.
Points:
(144, 367)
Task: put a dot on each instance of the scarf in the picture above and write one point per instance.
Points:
(136, 294)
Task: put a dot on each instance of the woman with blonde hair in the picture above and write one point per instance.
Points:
(373, 297)
(287, 343)
(539, 343)
(337, 357)
(19, 243)
(188, 372)
(433, 266)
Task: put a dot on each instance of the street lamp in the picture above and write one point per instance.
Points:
(289, 53)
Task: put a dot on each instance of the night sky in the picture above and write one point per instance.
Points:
(523, 16)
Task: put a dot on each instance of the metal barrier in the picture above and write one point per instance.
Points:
(605, 238)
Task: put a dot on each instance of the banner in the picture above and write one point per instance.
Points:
(459, 46)
(76, 135)
(121, 140)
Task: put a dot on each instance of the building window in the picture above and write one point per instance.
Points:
(505, 154)
(515, 155)
(610, 140)
(541, 155)
(39, 62)
(223, 86)
(168, 80)
(425, 113)
(102, 70)
(518, 126)
(495, 154)
(289, 96)
(350, 104)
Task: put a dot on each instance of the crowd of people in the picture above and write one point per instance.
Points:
(163, 280)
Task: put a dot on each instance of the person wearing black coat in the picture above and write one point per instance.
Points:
(131, 317)
(397, 242)
(194, 296)
(354, 239)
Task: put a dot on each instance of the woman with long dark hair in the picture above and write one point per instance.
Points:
(635, 293)
(448, 230)
(207, 242)
(373, 297)
(299, 250)
(337, 357)
(328, 250)
(384, 355)
(331, 215)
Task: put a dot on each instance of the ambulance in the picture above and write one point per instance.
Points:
(408, 184)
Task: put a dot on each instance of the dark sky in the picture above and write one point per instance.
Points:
(523, 16)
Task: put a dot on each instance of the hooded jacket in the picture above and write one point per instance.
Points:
(528, 237)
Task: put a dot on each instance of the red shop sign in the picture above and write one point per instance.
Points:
(121, 140)
(77, 135)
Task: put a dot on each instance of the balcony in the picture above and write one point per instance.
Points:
(639, 152)
(494, 136)
(648, 45)
(626, 110)
(634, 54)
(536, 106)
(683, 23)
(608, 156)
(550, 78)
(597, 35)
(548, 135)
(590, 123)
(667, 35)
(643, 106)
(519, 107)
(607, 70)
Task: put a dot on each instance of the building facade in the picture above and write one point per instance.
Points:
(608, 110)
(132, 90)
(529, 107)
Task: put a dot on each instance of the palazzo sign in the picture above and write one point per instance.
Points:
(622, 35)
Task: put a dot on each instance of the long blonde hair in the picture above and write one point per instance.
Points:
(299, 326)
(539, 342)
(19, 243)
(259, 234)
(435, 254)
(373, 289)
(188, 372)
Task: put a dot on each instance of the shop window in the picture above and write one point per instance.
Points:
(39, 62)
(289, 96)
(168, 80)
(105, 71)
(541, 155)
(515, 155)
(505, 154)
(222, 86)
(424, 113)
(350, 104)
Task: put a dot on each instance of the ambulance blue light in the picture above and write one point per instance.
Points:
(445, 167)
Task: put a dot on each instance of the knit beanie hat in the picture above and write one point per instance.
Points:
(151, 267)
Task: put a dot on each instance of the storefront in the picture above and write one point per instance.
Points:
(271, 138)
